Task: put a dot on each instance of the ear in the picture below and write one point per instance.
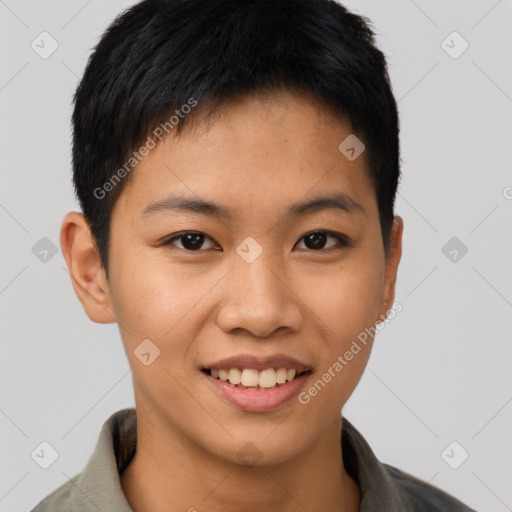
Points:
(392, 261)
(84, 265)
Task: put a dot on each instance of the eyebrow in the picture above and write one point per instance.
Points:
(336, 201)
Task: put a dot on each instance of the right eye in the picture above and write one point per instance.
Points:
(190, 240)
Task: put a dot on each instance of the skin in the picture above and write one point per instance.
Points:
(257, 157)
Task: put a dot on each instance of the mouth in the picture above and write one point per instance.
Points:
(261, 380)
(256, 385)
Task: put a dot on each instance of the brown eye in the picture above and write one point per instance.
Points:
(194, 241)
(190, 240)
(316, 240)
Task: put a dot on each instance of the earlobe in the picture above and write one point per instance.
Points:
(84, 266)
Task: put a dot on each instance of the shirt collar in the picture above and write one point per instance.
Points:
(98, 486)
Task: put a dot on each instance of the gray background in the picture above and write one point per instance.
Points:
(440, 371)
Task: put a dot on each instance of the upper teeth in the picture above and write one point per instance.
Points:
(251, 378)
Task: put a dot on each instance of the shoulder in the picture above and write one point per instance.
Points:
(386, 488)
(59, 500)
(99, 478)
(423, 496)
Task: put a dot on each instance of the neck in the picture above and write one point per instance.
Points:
(169, 473)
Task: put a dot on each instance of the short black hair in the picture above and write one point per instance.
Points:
(159, 56)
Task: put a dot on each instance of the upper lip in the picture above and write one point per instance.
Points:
(259, 362)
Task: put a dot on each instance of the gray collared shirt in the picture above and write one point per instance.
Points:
(97, 487)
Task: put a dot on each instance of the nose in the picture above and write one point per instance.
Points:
(259, 298)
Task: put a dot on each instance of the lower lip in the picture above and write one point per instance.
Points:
(256, 400)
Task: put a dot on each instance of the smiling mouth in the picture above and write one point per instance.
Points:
(249, 378)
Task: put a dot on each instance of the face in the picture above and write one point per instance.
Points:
(252, 279)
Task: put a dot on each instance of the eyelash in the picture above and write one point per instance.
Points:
(342, 240)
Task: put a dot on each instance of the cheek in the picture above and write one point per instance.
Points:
(162, 303)
(147, 301)
(345, 301)
(345, 304)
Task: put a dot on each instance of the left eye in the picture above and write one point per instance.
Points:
(315, 241)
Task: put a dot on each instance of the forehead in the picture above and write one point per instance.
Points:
(256, 152)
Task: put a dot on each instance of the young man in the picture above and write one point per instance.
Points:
(236, 162)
